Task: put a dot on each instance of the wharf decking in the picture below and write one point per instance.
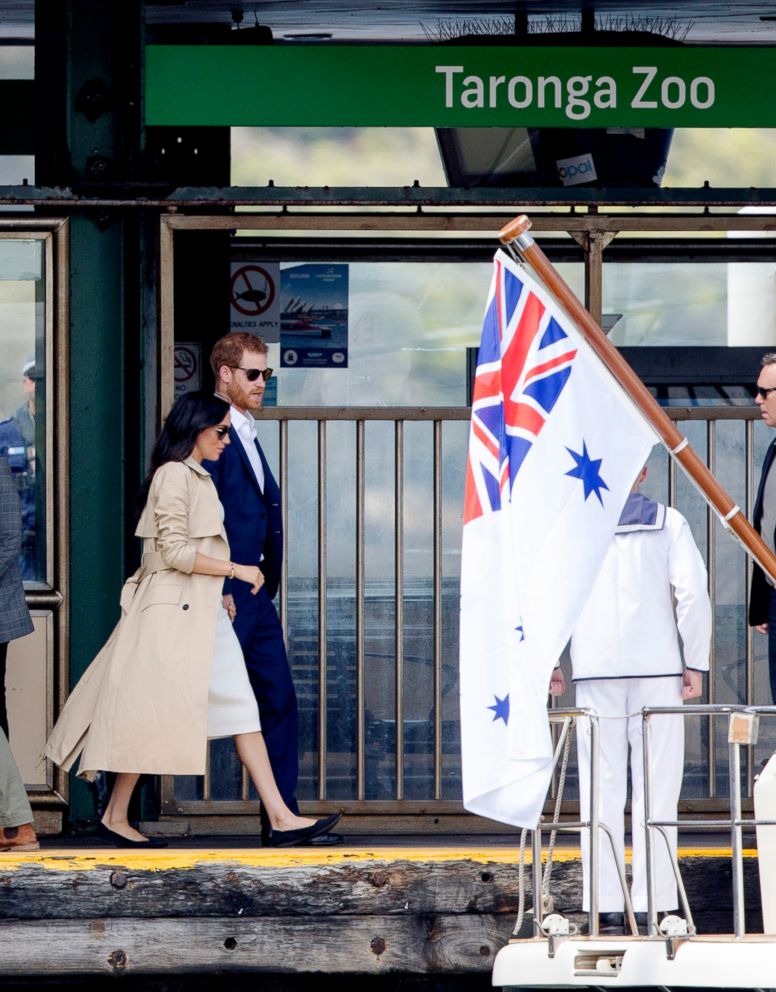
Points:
(406, 908)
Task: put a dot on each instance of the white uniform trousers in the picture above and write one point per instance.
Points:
(619, 702)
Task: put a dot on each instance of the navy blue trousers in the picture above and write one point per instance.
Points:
(258, 629)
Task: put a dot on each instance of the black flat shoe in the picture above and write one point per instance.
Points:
(295, 838)
(325, 840)
(105, 833)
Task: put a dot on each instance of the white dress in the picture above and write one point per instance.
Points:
(231, 704)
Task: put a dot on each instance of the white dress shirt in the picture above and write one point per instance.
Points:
(246, 431)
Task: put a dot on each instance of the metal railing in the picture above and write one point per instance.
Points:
(437, 662)
(734, 823)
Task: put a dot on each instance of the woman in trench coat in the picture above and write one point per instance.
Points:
(172, 675)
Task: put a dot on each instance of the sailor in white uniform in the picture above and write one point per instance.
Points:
(625, 655)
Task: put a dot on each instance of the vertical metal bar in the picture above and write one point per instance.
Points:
(398, 509)
(649, 837)
(736, 841)
(323, 655)
(711, 740)
(536, 857)
(245, 785)
(47, 251)
(437, 483)
(206, 779)
(360, 688)
(166, 356)
(595, 833)
(60, 450)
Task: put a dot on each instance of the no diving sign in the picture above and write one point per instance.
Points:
(254, 299)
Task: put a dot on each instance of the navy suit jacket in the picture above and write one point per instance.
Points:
(253, 519)
(761, 589)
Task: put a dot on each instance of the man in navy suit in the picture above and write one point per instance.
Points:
(762, 601)
(251, 500)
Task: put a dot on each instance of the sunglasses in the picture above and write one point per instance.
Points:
(764, 391)
(253, 374)
(221, 432)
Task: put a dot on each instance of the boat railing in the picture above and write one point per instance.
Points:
(743, 722)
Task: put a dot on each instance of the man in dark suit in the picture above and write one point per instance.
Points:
(762, 601)
(251, 500)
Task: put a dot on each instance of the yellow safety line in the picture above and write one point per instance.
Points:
(86, 859)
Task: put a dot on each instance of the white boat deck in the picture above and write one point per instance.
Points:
(710, 961)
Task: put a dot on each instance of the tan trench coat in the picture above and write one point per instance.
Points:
(141, 706)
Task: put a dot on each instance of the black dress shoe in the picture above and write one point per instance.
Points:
(105, 833)
(296, 838)
(325, 840)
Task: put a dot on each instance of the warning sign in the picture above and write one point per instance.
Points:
(255, 299)
(188, 367)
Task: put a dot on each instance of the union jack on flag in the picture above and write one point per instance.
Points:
(554, 448)
(524, 363)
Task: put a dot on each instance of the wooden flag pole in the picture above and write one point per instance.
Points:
(515, 234)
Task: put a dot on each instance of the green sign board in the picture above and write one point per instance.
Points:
(460, 86)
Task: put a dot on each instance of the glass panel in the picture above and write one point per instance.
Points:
(352, 156)
(302, 571)
(691, 304)
(409, 326)
(721, 157)
(341, 716)
(418, 641)
(730, 580)
(225, 770)
(18, 62)
(15, 170)
(335, 156)
(188, 788)
(23, 394)
(379, 611)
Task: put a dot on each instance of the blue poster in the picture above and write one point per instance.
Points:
(314, 316)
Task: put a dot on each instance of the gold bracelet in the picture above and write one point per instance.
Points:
(231, 570)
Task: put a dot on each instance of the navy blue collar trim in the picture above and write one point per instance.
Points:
(640, 513)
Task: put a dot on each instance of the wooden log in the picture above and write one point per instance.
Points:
(431, 944)
(224, 889)
(230, 889)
